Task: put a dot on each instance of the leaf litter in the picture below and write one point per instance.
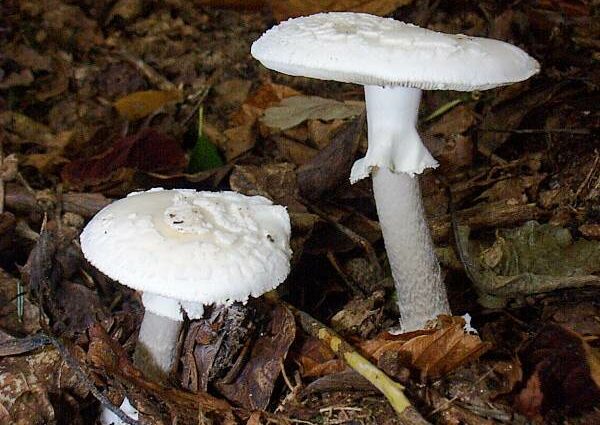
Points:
(98, 100)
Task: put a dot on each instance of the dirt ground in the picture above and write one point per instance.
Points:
(102, 98)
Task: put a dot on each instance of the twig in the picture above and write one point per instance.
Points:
(153, 76)
(354, 237)
(392, 390)
(482, 216)
(353, 287)
(442, 109)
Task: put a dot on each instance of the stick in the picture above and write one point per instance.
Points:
(392, 390)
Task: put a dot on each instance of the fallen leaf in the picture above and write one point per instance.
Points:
(143, 103)
(44, 162)
(284, 9)
(274, 181)
(233, 91)
(316, 359)
(241, 137)
(27, 129)
(332, 165)
(239, 140)
(532, 259)
(213, 344)
(149, 150)
(292, 111)
(591, 231)
(433, 352)
(27, 382)
(295, 152)
(515, 188)
(360, 316)
(253, 386)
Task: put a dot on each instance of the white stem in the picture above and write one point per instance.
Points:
(395, 154)
(156, 349)
(415, 269)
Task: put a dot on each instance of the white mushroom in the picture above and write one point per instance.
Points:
(394, 61)
(183, 249)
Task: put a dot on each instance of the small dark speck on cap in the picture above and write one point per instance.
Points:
(178, 222)
(270, 238)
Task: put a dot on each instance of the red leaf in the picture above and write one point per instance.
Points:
(149, 150)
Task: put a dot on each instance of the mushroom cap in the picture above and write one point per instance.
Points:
(370, 50)
(195, 247)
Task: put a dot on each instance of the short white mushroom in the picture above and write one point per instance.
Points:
(184, 249)
(395, 61)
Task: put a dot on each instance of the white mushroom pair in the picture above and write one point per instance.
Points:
(185, 249)
(394, 62)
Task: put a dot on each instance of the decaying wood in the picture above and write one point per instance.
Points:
(20, 199)
(494, 214)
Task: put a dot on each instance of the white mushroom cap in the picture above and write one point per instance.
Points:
(191, 247)
(370, 50)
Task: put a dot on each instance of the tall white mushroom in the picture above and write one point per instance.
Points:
(395, 61)
(183, 249)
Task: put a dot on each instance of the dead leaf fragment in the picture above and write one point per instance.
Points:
(253, 386)
(143, 103)
(274, 181)
(292, 111)
(149, 150)
(433, 352)
(332, 165)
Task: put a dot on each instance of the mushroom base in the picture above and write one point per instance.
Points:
(415, 269)
(156, 349)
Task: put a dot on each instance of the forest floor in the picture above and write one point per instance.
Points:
(102, 98)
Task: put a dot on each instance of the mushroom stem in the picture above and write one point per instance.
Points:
(393, 139)
(395, 154)
(415, 269)
(156, 348)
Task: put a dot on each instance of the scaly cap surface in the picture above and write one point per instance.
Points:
(370, 50)
(197, 247)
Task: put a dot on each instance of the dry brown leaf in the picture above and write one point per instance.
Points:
(27, 129)
(316, 359)
(242, 136)
(433, 352)
(274, 181)
(44, 162)
(331, 167)
(283, 9)
(295, 152)
(253, 385)
(142, 103)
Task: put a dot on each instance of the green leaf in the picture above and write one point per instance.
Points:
(204, 155)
